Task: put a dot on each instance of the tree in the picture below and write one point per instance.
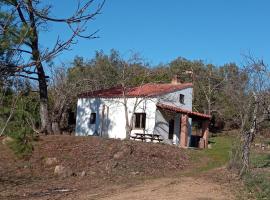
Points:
(250, 97)
(22, 22)
(62, 93)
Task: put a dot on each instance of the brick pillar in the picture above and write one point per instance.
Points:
(205, 132)
(184, 131)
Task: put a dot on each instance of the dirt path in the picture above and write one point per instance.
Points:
(183, 188)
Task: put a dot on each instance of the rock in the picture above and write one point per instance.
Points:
(135, 173)
(209, 146)
(62, 171)
(83, 173)
(50, 161)
(257, 144)
(124, 151)
(92, 173)
(7, 140)
(118, 155)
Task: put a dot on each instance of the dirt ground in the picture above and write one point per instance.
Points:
(111, 169)
(185, 188)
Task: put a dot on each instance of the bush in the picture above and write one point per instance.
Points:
(235, 161)
(22, 145)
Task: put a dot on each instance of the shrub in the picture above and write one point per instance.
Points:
(235, 161)
(22, 145)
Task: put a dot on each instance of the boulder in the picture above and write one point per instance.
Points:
(50, 161)
(7, 140)
(62, 171)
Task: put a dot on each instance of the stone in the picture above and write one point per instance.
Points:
(118, 155)
(83, 173)
(124, 151)
(7, 140)
(257, 144)
(62, 171)
(50, 161)
(135, 173)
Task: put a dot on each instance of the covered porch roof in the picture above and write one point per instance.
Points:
(180, 110)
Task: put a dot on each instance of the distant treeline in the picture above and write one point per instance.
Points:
(217, 89)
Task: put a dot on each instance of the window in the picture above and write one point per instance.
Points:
(93, 118)
(140, 119)
(182, 98)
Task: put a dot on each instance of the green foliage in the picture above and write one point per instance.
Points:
(22, 145)
(216, 83)
(20, 105)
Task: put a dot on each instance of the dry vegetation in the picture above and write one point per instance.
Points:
(89, 162)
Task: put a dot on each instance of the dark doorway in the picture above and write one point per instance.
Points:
(171, 129)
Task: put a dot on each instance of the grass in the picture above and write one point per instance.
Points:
(257, 181)
(260, 160)
(258, 184)
(216, 156)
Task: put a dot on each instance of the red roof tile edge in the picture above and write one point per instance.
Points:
(180, 110)
(147, 90)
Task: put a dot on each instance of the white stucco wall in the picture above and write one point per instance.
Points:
(114, 116)
(173, 99)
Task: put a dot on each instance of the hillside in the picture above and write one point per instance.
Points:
(86, 163)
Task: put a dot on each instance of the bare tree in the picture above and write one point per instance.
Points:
(250, 96)
(62, 92)
(25, 20)
(127, 72)
(209, 84)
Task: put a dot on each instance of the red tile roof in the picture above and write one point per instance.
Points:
(147, 90)
(180, 110)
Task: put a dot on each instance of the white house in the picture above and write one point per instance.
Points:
(162, 110)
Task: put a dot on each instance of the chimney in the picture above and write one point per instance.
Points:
(175, 80)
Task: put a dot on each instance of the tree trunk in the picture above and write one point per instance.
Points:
(128, 130)
(43, 93)
(127, 127)
(55, 128)
(248, 137)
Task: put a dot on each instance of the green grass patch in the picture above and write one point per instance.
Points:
(216, 156)
(260, 160)
(258, 184)
(257, 181)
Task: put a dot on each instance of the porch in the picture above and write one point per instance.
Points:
(174, 124)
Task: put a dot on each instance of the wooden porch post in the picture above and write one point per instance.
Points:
(184, 131)
(205, 132)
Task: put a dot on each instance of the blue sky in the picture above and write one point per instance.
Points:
(215, 31)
